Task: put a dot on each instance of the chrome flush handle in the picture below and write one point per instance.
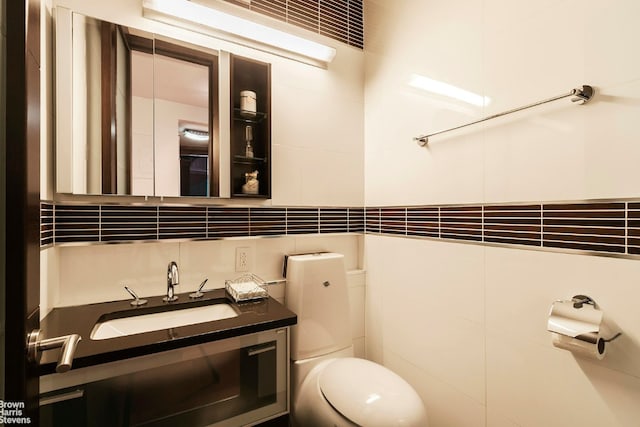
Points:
(66, 343)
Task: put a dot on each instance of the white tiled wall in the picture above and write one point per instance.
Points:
(464, 323)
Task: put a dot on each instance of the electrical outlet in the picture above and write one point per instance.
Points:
(242, 259)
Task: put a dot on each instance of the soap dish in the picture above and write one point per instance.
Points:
(246, 288)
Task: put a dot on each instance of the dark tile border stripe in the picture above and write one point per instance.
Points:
(227, 222)
(85, 223)
(76, 223)
(267, 221)
(303, 221)
(356, 220)
(46, 224)
(610, 227)
(184, 222)
(136, 223)
(606, 227)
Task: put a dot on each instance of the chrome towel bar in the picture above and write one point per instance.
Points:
(581, 96)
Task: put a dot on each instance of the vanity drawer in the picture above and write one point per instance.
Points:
(231, 382)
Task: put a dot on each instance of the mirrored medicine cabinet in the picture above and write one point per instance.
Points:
(140, 115)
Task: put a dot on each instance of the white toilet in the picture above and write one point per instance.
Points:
(329, 387)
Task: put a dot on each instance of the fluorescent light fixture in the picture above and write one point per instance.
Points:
(196, 135)
(450, 91)
(239, 30)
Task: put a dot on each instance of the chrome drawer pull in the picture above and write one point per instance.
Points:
(76, 394)
(253, 352)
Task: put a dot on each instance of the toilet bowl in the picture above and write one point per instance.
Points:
(330, 387)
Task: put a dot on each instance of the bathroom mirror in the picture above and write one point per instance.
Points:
(134, 112)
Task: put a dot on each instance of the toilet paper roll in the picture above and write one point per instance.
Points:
(593, 348)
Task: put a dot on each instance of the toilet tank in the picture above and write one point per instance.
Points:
(316, 291)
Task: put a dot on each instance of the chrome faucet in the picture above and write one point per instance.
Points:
(172, 280)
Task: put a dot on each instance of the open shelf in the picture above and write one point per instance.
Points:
(245, 116)
(250, 75)
(249, 160)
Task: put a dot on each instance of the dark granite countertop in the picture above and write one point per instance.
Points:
(254, 316)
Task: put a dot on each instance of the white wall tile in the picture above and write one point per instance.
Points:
(446, 406)
(526, 59)
(356, 278)
(523, 378)
(317, 132)
(444, 278)
(317, 176)
(611, 169)
(302, 120)
(331, 178)
(90, 274)
(522, 285)
(49, 278)
(557, 152)
(342, 244)
(278, 291)
(359, 348)
(432, 311)
(270, 254)
(215, 260)
(606, 50)
(356, 304)
(418, 39)
(447, 172)
(286, 175)
(495, 418)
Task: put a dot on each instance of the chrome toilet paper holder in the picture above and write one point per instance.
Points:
(578, 319)
(580, 300)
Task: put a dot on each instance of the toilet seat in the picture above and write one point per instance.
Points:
(369, 394)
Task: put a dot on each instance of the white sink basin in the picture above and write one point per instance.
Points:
(163, 320)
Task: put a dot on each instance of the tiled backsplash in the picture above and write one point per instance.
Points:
(607, 227)
(70, 223)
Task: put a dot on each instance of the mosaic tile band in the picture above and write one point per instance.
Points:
(70, 223)
(611, 227)
(608, 227)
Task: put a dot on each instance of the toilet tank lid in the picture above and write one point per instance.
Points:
(371, 395)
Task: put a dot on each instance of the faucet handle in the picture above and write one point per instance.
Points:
(137, 301)
(198, 293)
